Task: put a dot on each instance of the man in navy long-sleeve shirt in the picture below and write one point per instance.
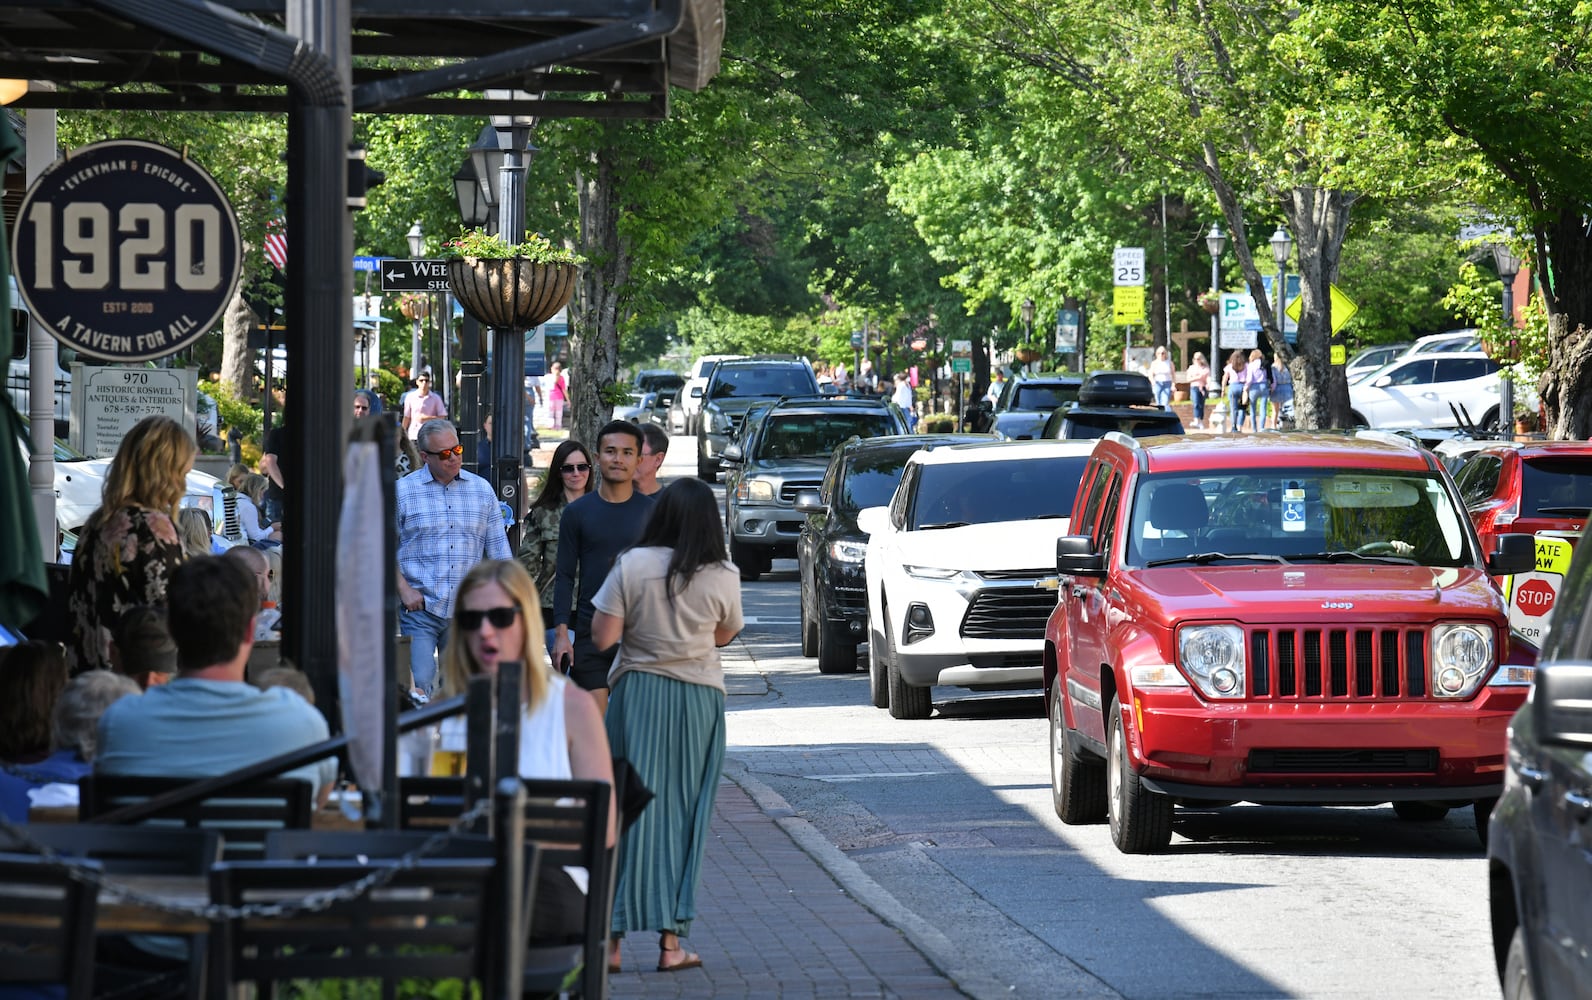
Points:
(592, 532)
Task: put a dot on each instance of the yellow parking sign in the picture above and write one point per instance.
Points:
(1127, 305)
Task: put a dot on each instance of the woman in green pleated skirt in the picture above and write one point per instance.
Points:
(670, 602)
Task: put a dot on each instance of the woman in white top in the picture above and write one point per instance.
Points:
(670, 601)
(1199, 385)
(1162, 375)
(251, 496)
(497, 618)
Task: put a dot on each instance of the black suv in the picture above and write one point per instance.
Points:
(732, 388)
(834, 603)
(665, 383)
(784, 448)
(1539, 872)
(1112, 401)
(1025, 404)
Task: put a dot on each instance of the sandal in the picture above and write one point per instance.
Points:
(690, 961)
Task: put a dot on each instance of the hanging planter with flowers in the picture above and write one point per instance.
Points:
(1210, 302)
(511, 287)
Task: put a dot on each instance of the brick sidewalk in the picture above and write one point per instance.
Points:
(773, 923)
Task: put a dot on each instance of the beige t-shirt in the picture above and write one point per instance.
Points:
(673, 639)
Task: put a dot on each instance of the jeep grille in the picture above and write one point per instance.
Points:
(1008, 613)
(1348, 664)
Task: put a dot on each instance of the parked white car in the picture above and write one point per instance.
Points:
(1417, 390)
(960, 568)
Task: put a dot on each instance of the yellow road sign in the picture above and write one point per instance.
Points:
(1343, 308)
(1127, 305)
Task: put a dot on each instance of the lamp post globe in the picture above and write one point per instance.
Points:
(417, 240)
(1281, 246)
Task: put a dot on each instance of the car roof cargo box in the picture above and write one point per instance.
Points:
(1116, 389)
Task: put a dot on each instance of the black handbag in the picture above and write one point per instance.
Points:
(632, 793)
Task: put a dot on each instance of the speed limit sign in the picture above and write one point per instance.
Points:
(126, 250)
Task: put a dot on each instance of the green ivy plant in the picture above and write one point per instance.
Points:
(478, 243)
(614, 393)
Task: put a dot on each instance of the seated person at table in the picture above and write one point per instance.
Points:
(208, 719)
(72, 733)
(141, 648)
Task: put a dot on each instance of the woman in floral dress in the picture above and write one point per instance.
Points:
(129, 547)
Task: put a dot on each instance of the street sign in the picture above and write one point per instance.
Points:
(127, 250)
(363, 263)
(1343, 308)
(961, 366)
(856, 340)
(1535, 597)
(1067, 331)
(414, 275)
(1338, 354)
(1127, 267)
(961, 347)
(1127, 305)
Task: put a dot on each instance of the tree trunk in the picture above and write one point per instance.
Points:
(236, 361)
(1566, 387)
(1319, 219)
(594, 311)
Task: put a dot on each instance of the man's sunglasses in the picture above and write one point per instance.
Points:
(457, 449)
(502, 617)
(570, 468)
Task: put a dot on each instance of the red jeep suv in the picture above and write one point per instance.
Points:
(1281, 619)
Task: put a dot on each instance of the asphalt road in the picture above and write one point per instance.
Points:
(951, 818)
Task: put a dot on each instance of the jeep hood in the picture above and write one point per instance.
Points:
(792, 467)
(1313, 592)
(1008, 545)
(737, 404)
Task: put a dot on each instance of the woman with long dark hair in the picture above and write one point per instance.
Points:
(670, 601)
(570, 476)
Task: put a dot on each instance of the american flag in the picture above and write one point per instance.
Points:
(276, 245)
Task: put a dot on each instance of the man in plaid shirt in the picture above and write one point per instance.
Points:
(448, 520)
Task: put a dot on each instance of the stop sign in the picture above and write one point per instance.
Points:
(1535, 598)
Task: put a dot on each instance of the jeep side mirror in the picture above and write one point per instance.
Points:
(1561, 704)
(1075, 556)
(1516, 553)
(807, 502)
(733, 454)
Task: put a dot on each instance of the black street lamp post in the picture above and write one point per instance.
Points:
(1508, 266)
(417, 249)
(1027, 312)
(508, 345)
(1281, 247)
(1216, 243)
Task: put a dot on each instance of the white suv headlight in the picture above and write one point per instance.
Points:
(931, 572)
(1213, 658)
(1460, 656)
(847, 552)
(755, 491)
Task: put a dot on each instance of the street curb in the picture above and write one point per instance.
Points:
(940, 951)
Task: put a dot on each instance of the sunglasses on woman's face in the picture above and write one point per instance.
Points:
(502, 617)
(570, 468)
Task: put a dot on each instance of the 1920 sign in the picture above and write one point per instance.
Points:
(126, 250)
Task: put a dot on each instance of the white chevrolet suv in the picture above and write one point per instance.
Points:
(959, 568)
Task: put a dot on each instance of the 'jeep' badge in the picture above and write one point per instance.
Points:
(1337, 605)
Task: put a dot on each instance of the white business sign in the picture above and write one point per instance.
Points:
(1240, 322)
(108, 400)
(961, 347)
(1127, 266)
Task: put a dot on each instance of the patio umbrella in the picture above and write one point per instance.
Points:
(23, 587)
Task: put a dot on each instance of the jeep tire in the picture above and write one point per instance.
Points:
(809, 630)
(1141, 820)
(1077, 782)
(837, 654)
(748, 560)
(878, 665)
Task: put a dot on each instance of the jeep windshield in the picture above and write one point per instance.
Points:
(1085, 425)
(815, 435)
(760, 380)
(961, 493)
(1297, 516)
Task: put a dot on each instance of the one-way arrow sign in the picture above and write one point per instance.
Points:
(414, 276)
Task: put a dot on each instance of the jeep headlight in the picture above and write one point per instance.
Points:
(1213, 658)
(754, 491)
(847, 552)
(1460, 657)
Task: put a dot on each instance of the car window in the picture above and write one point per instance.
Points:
(762, 381)
(816, 435)
(1105, 530)
(1478, 479)
(1094, 483)
(1548, 484)
(904, 496)
(1462, 369)
(1411, 373)
(1087, 426)
(1043, 398)
(1007, 490)
(1302, 514)
(870, 480)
